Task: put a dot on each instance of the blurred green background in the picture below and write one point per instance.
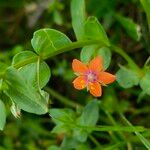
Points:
(20, 18)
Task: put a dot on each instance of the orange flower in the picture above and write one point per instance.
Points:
(91, 76)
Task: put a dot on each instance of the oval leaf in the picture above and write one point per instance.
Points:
(89, 117)
(91, 111)
(78, 17)
(24, 94)
(48, 41)
(89, 52)
(131, 28)
(146, 6)
(94, 30)
(145, 83)
(127, 78)
(21, 56)
(105, 53)
(29, 72)
(2, 115)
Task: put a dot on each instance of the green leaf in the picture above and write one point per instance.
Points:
(2, 115)
(146, 6)
(15, 110)
(45, 95)
(53, 147)
(64, 120)
(61, 128)
(131, 28)
(19, 57)
(127, 78)
(58, 18)
(3, 66)
(145, 83)
(89, 117)
(89, 52)
(83, 147)
(94, 30)
(24, 94)
(1, 84)
(62, 115)
(80, 134)
(69, 143)
(91, 111)
(29, 72)
(48, 41)
(78, 17)
(105, 53)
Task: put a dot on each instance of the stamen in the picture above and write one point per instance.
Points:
(92, 88)
(82, 81)
(82, 86)
(91, 76)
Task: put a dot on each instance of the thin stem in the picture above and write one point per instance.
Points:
(121, 52)
(67, 48)
(116, 128)
(72, 46)
(129, 146)
(114, 123)
(75, 45)
(95, 141)
(147, 62)
(61, 98)
(113, 137)
(38, 74)
(79, 44)
(26, 61)
(139, 135)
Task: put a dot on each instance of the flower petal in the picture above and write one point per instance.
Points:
(106, 78)
(96, 64)
(79, 83)
(95, 89)
(79, 67)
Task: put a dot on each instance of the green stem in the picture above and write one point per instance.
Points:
(67, 48)
(139, 135)
(26, 61)
(129, 146)
(72, 46)
(114, 123)
(38, 74)
(121, 52)
(61, 98)
(95, 141)
(80, 44)
(75, 45)
(116, 128)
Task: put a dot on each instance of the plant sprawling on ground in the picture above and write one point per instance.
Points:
(39, 107)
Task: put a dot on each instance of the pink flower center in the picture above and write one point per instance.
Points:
(91, 76)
